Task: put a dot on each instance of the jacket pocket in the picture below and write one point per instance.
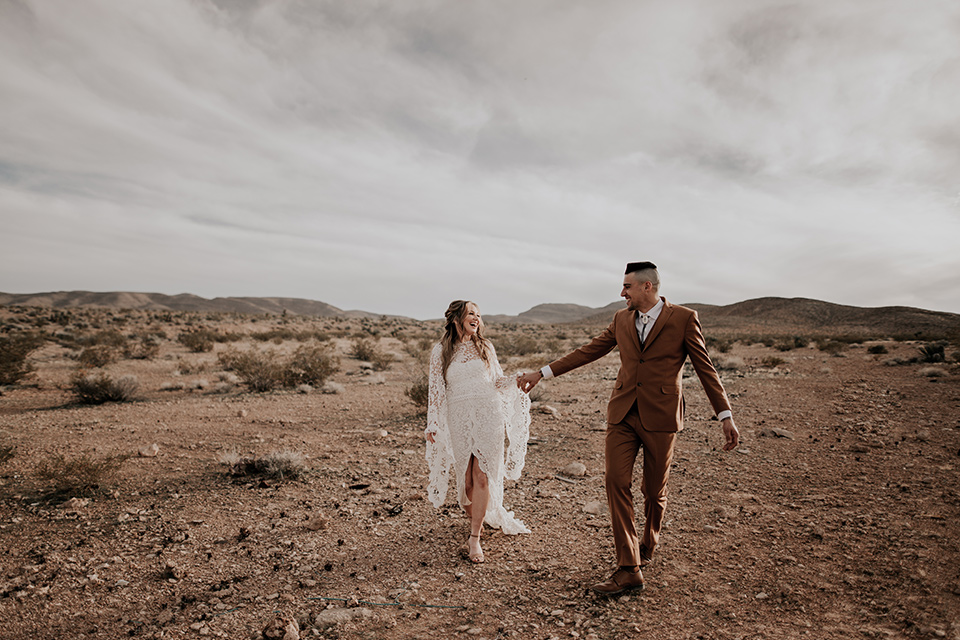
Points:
(670, 390)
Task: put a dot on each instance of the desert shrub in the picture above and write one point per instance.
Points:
(98, 355)
(833, 347)
(186, 368)
(98, 388)
(7, 452)
(718, 345)
(419, 350)
(14, 351)
(363, 349)
(198, 341)
(788, 344)
(259, 371)
(419, 390)
(932, 352)
(772, 362)
(144, 346)
(932, 372)
(266, 371)
(107, 337)
(382, 360)
(276, 464)
(310, 365)
(79, 476)
(728, 363)
(877, 349)
(521, 345)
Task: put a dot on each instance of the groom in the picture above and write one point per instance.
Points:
(645, 409)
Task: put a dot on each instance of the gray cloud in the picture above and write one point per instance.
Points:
(391, 156)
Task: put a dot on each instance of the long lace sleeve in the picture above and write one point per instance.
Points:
(439, 452)
(515, 407)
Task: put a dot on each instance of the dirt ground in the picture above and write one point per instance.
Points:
(837, 517)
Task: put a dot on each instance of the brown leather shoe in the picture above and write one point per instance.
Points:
(621, 580)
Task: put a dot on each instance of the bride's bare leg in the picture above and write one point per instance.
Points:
(480, 490)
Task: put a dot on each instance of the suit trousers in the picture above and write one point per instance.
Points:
(623, 442)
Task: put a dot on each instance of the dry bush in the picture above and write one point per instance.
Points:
(723, 362)
(877, 349)
(718, 345)
(520, 345)
(14, 351)
(418, 392)
(932, 372)
(259, 371)
(368, 351)
(98, 388)
(310, 365)
(935, 352)
(266, 370)
(98, 355)
(143, 347)
(772, 362)
(198, 341)
(276, 464)
(363, 349)
(79, 476)
(833, 347)
(419, 350)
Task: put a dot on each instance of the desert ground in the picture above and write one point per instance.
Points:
(837, 517)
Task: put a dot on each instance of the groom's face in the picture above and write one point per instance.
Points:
(640, 296)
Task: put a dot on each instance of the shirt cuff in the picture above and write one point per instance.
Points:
(546, 372)
(723, 415)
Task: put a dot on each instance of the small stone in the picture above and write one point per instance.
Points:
(761, 596)
(474, 631)
(575, 470)
(777, 433)
(317, 522)
(594, 507)
(74, 503)
(282, 629)
(242, 413)
(149, 451)
(383, 433)
(547, 409)
(333, 617)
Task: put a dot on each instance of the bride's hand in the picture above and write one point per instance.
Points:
(430, 438)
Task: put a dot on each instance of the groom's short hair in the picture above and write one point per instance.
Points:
(644, 272)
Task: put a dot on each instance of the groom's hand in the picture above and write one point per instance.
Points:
(528, 381)
(730, 434)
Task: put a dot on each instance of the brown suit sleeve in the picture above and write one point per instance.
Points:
(596, 349)
(700, 359)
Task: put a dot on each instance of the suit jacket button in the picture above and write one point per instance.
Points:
(641, 362)
(639, 384)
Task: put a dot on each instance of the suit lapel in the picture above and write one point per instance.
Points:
(662, 320)
(632, 316)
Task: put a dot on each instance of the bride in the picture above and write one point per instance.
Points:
(473, 408)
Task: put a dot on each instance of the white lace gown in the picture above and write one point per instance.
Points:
(478, 411)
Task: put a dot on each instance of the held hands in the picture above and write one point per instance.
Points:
(430, 437)
(528, 381)
(730, 434)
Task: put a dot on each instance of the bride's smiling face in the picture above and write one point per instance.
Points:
(470, 323)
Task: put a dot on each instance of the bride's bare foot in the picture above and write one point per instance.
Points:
(474, 550)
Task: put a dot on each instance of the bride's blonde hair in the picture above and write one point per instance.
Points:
(454, 316)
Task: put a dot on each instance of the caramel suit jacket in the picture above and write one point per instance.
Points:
(651, 375)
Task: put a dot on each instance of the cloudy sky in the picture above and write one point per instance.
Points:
(392, 156)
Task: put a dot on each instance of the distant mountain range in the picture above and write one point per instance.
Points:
(182, 302)
(762, 316)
